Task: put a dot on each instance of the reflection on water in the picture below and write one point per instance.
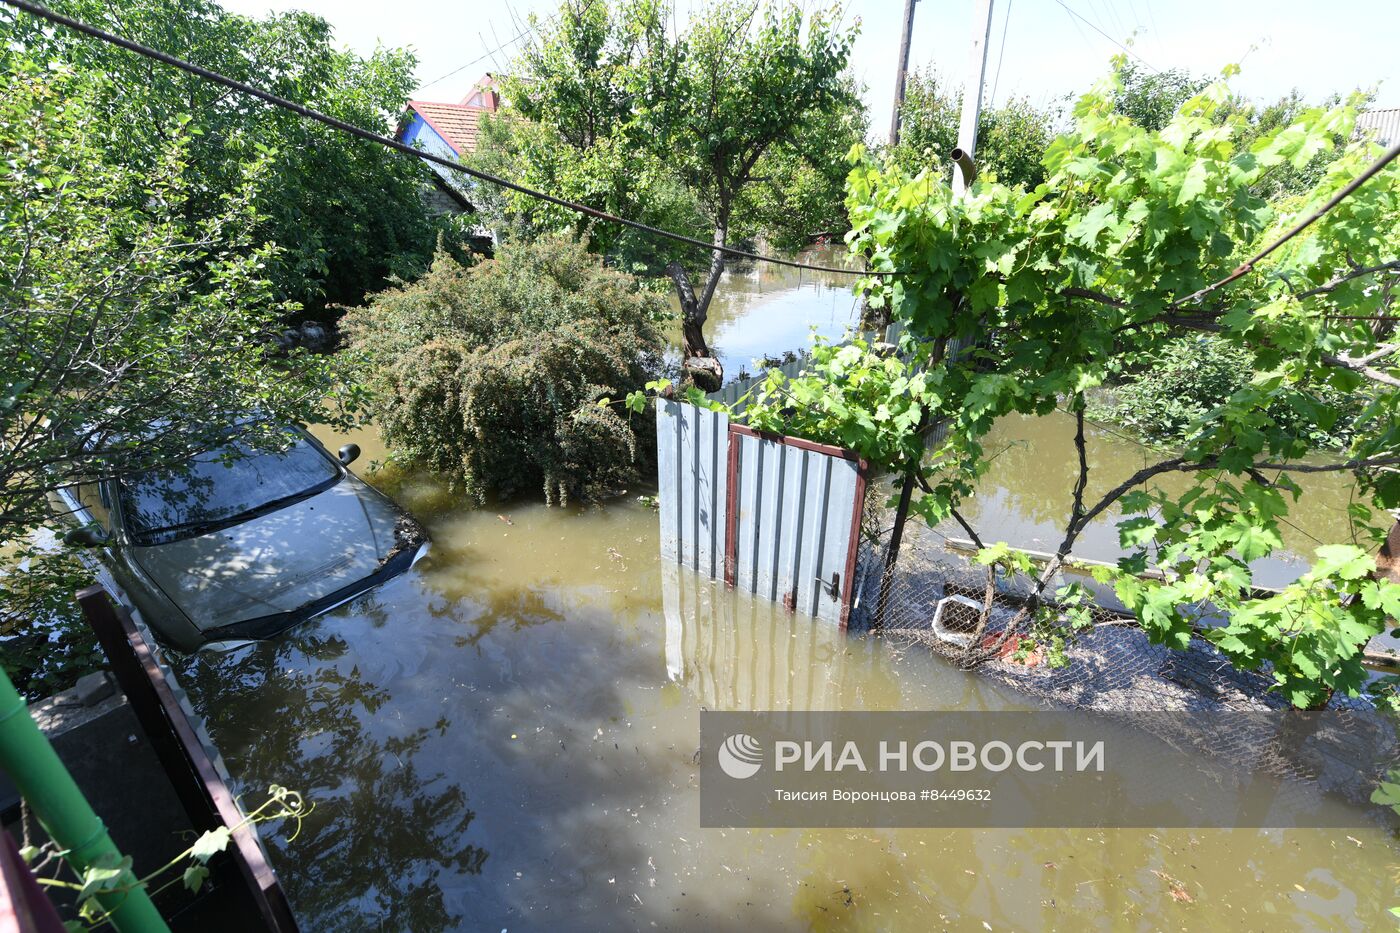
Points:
(506, 738)
(1025, 497)
(763, 309)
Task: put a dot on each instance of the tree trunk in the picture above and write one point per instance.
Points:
(692, 315)
(695, 309)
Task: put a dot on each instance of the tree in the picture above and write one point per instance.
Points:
(133, 332)
(1011, 139)
(491, 373)
(567, 127)
(735, 91)
(348, 216)
(1115, 255)
(1151, 99)
(729, 130)
(1191, 376)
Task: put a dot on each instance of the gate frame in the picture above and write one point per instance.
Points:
(731, 517)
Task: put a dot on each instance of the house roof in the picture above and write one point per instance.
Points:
(1386, 124)
(456, 123)
(486, 92)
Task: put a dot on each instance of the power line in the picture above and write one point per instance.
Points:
(1094, 26)
(1001, 54)
(478, 60)
(43, 12)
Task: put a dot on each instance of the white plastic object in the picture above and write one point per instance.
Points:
(942, 631)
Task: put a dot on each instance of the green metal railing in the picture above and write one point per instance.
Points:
(45, 784)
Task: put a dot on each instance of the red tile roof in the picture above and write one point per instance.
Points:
(456, 123)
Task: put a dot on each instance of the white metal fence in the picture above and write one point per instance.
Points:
(775, 516)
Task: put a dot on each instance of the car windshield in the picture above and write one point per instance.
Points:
(220, 487)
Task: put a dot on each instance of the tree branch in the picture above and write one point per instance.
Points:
(971, 532)
(1360, 366)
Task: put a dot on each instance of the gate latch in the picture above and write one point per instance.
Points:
(832, 588)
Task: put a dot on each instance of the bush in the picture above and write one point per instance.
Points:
(491, 373)
(1192, 376)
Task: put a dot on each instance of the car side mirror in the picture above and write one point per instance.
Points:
(88, 536)
(349, 454)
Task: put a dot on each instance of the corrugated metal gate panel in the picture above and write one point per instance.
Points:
(787, 529)
(796, 507)
(691, 462)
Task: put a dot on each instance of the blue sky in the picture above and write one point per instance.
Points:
(1316, 46)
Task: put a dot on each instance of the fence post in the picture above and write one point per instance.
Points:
(901, 515)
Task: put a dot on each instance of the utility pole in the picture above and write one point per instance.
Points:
(964, 170)
(899, 75)
(972, 96)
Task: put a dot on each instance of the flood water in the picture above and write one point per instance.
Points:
(765, 309)
(506, 739)
(1025, 497)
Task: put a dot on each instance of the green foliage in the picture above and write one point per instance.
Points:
(348, 216)
(124, 307)
(799, 189)
(1184, 385)
(1270, 118)
(491, 373)
(111, 878)
(732, 129)
(1011, 138)
(568, 128)
(1151, 99)
(45, 644)
(119, 317)
(848, 396)
(734, 89)
(1092, 273)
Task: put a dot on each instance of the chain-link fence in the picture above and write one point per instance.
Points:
(934, 600)
(1107, 664)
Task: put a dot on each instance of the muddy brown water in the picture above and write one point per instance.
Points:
(765, 309)
(505, 739)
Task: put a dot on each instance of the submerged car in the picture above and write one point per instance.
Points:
(243, 543)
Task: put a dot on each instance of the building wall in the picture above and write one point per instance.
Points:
(418, 133)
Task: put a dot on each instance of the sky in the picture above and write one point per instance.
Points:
(1039, 49)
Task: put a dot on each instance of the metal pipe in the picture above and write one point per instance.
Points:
(965, 165)
(31, 763)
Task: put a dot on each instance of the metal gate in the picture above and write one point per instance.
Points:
(772, 515)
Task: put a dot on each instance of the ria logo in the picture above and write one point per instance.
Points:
(740, 756)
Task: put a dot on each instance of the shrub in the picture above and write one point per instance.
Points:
(490, 374)
(1192, 376)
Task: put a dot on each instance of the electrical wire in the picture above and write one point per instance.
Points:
(42, 12)
(1246, 267)
(1001, 55)
(476, 61)
(45, 13)
(1070, 10)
